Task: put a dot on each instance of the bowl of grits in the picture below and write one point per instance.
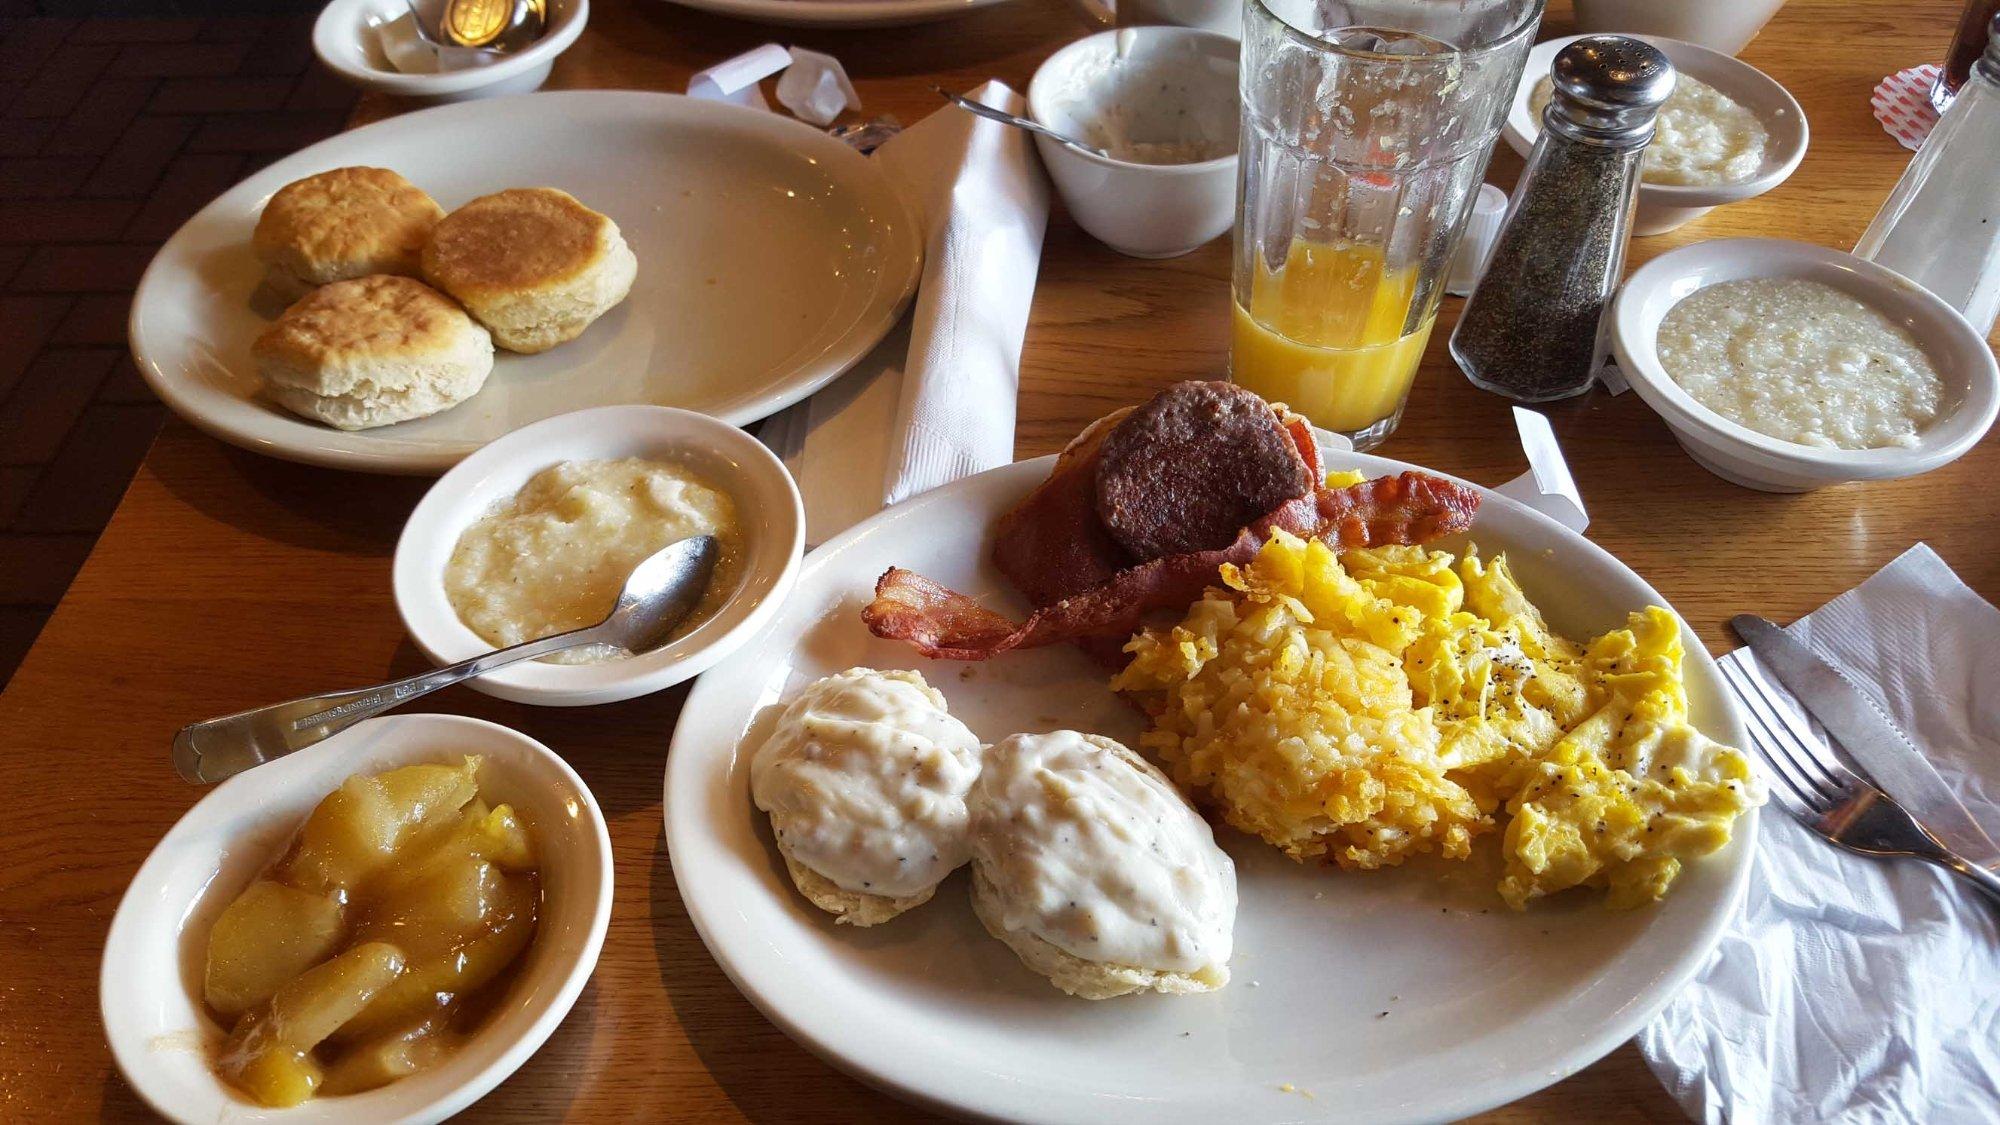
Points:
(536, 533)
(1784, 366)
(1730, 132)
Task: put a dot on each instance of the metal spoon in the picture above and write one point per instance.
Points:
(657, 597)
(1005, 118)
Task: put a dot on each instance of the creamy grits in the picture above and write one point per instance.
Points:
(554, 557)
(1802, 362)
(1703, 136)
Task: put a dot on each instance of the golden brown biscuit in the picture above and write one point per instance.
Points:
(373, 351)
(533, 264)
(347, 223)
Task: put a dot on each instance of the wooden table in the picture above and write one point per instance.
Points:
(227, 580)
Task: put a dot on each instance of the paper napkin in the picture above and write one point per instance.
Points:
(1849, 988)
(935, 400)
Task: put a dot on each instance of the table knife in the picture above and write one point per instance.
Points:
(1860, 726)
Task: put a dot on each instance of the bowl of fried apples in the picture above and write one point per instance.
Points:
(381, 927)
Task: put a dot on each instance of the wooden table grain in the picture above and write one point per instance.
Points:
(227, 580)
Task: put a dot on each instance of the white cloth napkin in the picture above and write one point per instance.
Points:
(935, 400)
(1854, 989)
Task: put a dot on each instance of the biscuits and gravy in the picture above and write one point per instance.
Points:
(1096, 872)
(864, 778)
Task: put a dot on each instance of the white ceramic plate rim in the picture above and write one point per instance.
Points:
(761, 487)
(1963, 360)
(1734, 77)
(336, 20)
(840, 13)
(195, 833)
(214, 411)
(693, 850)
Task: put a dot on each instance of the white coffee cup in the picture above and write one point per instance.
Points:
(1223, 16)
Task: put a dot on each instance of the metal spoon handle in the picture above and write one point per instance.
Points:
(218, 749)
(1005, 118)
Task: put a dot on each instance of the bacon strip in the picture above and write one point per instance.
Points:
(946, 625)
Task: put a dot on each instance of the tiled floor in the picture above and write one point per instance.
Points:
(112, 131)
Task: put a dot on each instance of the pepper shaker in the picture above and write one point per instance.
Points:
(1531, 329)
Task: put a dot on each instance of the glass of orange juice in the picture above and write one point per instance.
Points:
(1366, 130)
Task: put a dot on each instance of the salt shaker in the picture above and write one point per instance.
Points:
(1940, 226)
(1530, 330)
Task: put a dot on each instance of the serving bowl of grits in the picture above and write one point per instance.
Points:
(1730, 132)
(1784, 366)
(536, 533)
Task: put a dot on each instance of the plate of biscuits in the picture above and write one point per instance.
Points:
(393, 298)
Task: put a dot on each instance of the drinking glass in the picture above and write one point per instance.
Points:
(1366, 129)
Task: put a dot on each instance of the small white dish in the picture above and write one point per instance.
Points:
(768, 511)
(1145, 85)
(1662, 207)
(149, 989)
(1737, 453)
(1720, 25)
(346, 42)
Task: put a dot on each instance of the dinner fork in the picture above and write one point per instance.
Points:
(1832, 800)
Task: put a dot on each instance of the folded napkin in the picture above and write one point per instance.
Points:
(1851, 988)
(935, 400)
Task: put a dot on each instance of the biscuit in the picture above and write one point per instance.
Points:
(372, 351)
(343, 224)
(533, 264)
(851, 908)
(1088, 980)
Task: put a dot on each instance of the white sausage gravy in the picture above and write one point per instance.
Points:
(865, 777)
(1090, 848)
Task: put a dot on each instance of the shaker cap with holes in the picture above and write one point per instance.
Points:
(1608, 90)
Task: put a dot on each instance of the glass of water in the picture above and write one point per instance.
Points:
(1367, 125)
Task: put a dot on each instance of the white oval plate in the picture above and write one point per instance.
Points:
(149, 989)
(769, 518)
(771, 257)
(839, 13)
(1483, 1005)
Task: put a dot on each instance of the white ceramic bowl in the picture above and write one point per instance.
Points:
(768, 511)
(346, 43)
(1736, 453)
(1170, 85)
(150, 985)
(1720, 25)
(1662, 207)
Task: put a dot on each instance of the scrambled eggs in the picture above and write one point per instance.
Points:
(1371, 706)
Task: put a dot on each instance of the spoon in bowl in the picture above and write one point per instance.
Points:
(658, 595)
(1018, 122)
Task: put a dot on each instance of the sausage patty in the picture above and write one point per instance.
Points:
(1193, 467)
